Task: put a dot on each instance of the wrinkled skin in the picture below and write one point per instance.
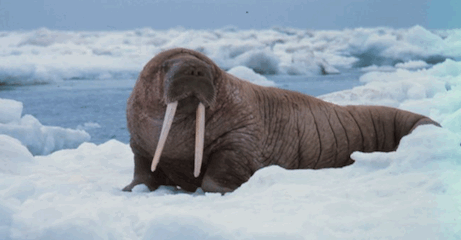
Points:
(247, 126)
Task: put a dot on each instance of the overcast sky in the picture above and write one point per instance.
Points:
(210, 14)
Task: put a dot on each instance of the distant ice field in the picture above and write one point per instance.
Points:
(44, 55)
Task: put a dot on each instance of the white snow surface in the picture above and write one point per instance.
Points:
(412, 193)
(88, 125)
(413, 65)
(39, 139)
(44, 55)
(10, 110)
(248, 74)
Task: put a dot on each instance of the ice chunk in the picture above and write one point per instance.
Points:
(39, 139)
(13, 155)
(42, 140)
(249, 75)
(412, 65)
(391, 88)
(374, 68)
(261, 61)
(88, 126)
(10, 110)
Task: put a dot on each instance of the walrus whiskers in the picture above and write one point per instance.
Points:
(167, 121)
(199, 138)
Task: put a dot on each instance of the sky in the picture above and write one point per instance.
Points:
(211, 14)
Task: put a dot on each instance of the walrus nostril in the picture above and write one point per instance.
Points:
(195, 73)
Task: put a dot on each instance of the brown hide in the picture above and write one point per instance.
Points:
(247, 128)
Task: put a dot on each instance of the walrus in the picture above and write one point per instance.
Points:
(193, 125)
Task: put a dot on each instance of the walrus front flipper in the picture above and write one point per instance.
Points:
(151, 179)
(142, 173)
(130, 186)
(225, 172)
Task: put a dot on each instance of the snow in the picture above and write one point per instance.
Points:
(11, 110)
(75, 194)
(249, 75)
(44, 55)
(403, 88)
(88, 126)
(412, 65)
(13, 155)
(39, 139)
(412, 193)
(374, 68)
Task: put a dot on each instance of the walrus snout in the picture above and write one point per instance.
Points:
(184, 87)
(190, 77)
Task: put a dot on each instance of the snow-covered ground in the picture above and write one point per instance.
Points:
(43, 55)
(413, 193)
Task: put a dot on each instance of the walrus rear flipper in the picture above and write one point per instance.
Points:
(424, 121)
(408, 122)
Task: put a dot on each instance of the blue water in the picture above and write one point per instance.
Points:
(71, 103)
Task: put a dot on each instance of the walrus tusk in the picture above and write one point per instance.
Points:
(167, 121)
(199, 138)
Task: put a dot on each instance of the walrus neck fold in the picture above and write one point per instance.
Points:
(199, 135)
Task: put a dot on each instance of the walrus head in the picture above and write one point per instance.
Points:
(187, 79)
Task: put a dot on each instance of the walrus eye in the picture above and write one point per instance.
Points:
(165, 67)
(199, 135)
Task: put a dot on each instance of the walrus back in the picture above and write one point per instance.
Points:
(326, 134)
(305, 132)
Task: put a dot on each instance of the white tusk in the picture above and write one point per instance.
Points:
(167, 121)
(199, 138)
